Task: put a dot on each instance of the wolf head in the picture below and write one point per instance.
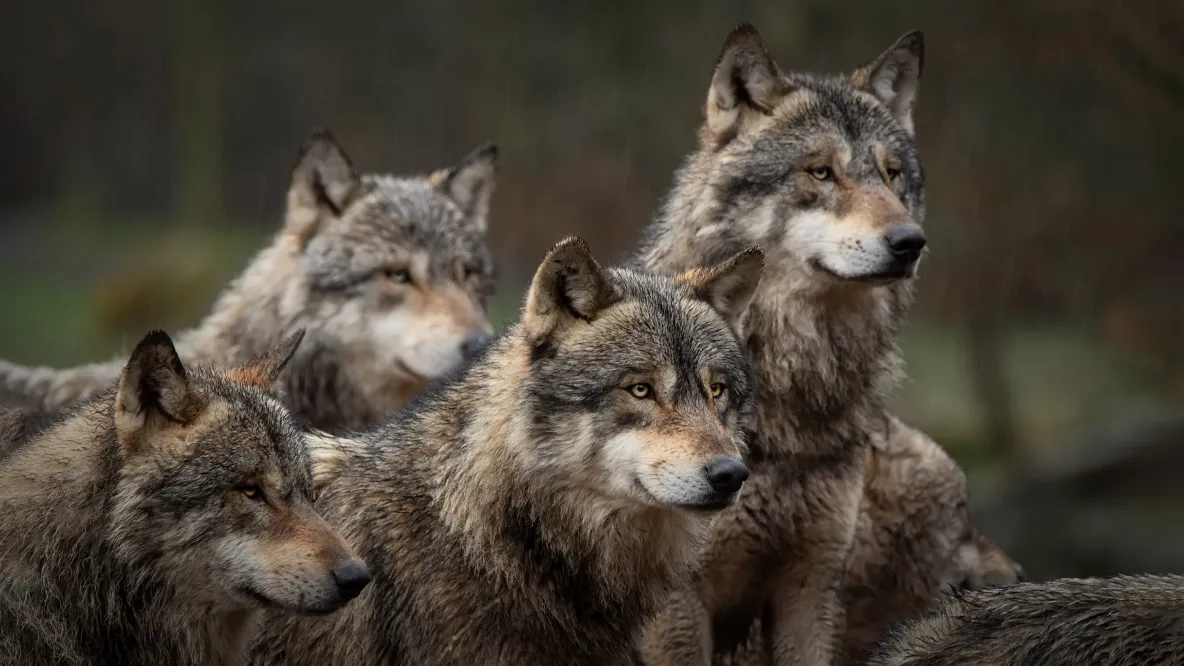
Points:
(216, 488)
(821, 171)
(397, 270)
(638, 381)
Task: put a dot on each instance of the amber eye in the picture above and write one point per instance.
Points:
(822, 173)
(717, 390)
(252, 492)
(641, 391)
(398, 275)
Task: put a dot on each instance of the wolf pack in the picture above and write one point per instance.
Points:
(687, 459)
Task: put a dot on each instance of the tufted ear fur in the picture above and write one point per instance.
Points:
(470, 182)
(894, 76)
(747, 84)
(569, 286)
(323, 185)
(264, 370)
(728, 286)
(153, 394)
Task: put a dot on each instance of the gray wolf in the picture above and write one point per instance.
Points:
(1120, 621)
(822, 172)
(154, 523)
(914, 543)
(538, 507)
(388, 275)
(914, 539)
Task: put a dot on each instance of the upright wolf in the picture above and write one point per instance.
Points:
(153, 524)
(389, 276)
(823, 173)
(1122, 621)
(540, 506)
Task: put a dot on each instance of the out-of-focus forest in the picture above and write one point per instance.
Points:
(147, 147)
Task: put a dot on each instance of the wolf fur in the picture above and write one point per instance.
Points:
(537, 509)
(914, 543)
(823, 173)
(1120, 621)
(153, 523)
(388, 275)
(914, 539)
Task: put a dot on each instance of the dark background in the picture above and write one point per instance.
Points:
(146, 147)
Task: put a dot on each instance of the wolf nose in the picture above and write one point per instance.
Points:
(726, 475)
(905, 241)
(474, 342)
(1021, 576)
(351, 578)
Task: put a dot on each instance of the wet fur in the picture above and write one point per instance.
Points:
(914, 543)
(822, 340)
(123, 539)
(1120, 621)
(335, 270)
(507, 513)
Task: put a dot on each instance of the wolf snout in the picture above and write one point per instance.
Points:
(351, 578)
(726, 475)
(905, 242)
(474, 343)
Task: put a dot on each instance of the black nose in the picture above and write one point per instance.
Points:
(351, 579)
(726, 475)
(905, 241)
(474, 342)
(1021, 576)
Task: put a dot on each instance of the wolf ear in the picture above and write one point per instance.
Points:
(263, 370)
(568, 286)
(894, 76)
(470, 182)
(153, 390)
(746, 84)
(323, 181)
(729, 286)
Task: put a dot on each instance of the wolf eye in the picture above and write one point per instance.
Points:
(252, 492)
(822, 173)
(398, 275)
(892, 174)
(640, 391)
(470, 272)
(717, 390)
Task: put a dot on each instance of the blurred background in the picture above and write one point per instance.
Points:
(147, 148)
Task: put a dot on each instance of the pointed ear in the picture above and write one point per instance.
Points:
(263, 370)
(746, 84)
(470, 182)
(729, 286)
(153, 390)
(323, 183)
(568, 286)
(894, 76)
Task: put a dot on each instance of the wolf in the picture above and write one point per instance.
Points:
(154, 523)
(388, 275)
(823, 173)
(1121, 621)
(539, 506)
(914, 543)
(914, 540)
